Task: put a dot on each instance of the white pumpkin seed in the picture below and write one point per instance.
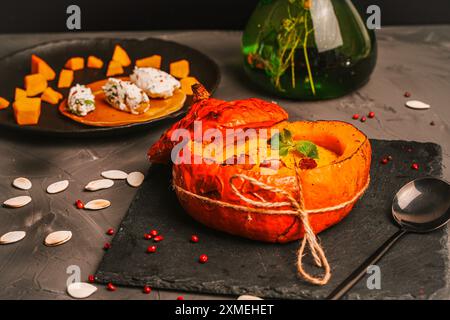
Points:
(248, 297)
(58, 186)
(17, 202)
(99, 184)
(22, 183)
(81, 290)
(135, 179)
(57, 238)
(114, 174)
(418, 105)
(97, 204)
(13, 236)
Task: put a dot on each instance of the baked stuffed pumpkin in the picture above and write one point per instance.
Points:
(321, 170)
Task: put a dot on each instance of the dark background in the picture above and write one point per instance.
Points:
(50, 15)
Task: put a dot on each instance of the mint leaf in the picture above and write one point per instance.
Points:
(307, 148)
(275, 141)
(283, 151)
(284, 143)
(286, 137)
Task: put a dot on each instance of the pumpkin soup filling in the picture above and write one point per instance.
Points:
(279, 152)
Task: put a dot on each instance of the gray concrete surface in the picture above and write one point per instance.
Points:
(415, 59)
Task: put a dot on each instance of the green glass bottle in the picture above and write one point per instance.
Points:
(308, 49)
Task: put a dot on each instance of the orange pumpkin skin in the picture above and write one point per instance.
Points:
(322, 187)
(222, 115)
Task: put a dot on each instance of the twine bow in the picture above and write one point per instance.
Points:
(309, 237)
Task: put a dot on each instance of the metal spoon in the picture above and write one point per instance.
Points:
(420, 206)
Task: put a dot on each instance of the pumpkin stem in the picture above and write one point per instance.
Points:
(200, 92)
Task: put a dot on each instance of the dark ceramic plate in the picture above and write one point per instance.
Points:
(14, 67)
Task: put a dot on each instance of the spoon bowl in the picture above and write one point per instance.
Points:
(422, 205)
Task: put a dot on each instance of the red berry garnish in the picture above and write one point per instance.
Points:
(194, 238)
(307, 163)
(91, 278)
(147, 236)
(79, 204)
(151, 249)
(363, 119)
(203, 258)
(158, 238)
(147, 289)
(407, 94)
(415, 166)
(371, 114)
(107, 246)
(355, 116)
(111, 287)
(180, 298)
(154, 233)
(384, 161)
(110, 232)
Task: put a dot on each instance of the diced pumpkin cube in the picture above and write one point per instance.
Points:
(51, 96)
(75, 63)
(94, 62)
(114, 68)
(65, 79)
(35, 84)
(3, 103)
(149, 62)
(180, 69)
(121, 56)
(27, 111)
(34, 63)
(19, 94)
(40, 66)
(186, 85)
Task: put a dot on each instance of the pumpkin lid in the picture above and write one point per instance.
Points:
(218, 114)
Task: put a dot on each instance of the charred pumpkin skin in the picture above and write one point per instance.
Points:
(222, 115)
(322, 187)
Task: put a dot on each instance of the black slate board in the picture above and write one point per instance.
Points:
(415, 267)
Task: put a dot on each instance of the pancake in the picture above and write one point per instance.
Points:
(106, 116)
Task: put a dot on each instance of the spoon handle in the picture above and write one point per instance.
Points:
(356, 275)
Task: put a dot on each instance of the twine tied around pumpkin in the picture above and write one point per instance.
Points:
(266, 207)
(309, 236)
